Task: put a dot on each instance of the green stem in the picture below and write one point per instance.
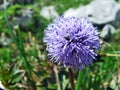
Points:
(109, 54)
(79, 82)
(7, 21)
(23, 54)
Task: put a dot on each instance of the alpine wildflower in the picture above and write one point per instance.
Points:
(72, 42)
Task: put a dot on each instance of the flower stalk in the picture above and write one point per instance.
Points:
(109, 54)
(71, 79)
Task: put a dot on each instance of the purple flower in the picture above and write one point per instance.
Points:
(71, 42)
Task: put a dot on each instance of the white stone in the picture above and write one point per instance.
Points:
(98, 11)
(49, 12)
(1, 86)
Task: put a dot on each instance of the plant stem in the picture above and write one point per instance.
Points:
(79, 82)
(109, 54)
(57, 78)
(71, 79)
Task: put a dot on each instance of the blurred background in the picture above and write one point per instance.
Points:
(24, 64)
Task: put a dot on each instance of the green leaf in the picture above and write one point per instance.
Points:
(52, 86)
(12, 70)
(80, 77)
(18, 75)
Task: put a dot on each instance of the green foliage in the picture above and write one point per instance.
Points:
(117, 0)
(14, 10)
(62, 5)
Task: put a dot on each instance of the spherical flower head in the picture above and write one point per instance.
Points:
(72, 42)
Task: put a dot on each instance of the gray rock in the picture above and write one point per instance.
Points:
(11, 2)
(107, 31)
(23, 18)
(98, 11)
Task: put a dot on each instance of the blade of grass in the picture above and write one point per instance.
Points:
(79, 82)
(8, 24)
(22, 51)
(18, 41)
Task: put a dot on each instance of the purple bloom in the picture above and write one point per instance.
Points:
(71, 42)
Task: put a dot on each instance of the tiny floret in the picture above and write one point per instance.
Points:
(72, 42)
